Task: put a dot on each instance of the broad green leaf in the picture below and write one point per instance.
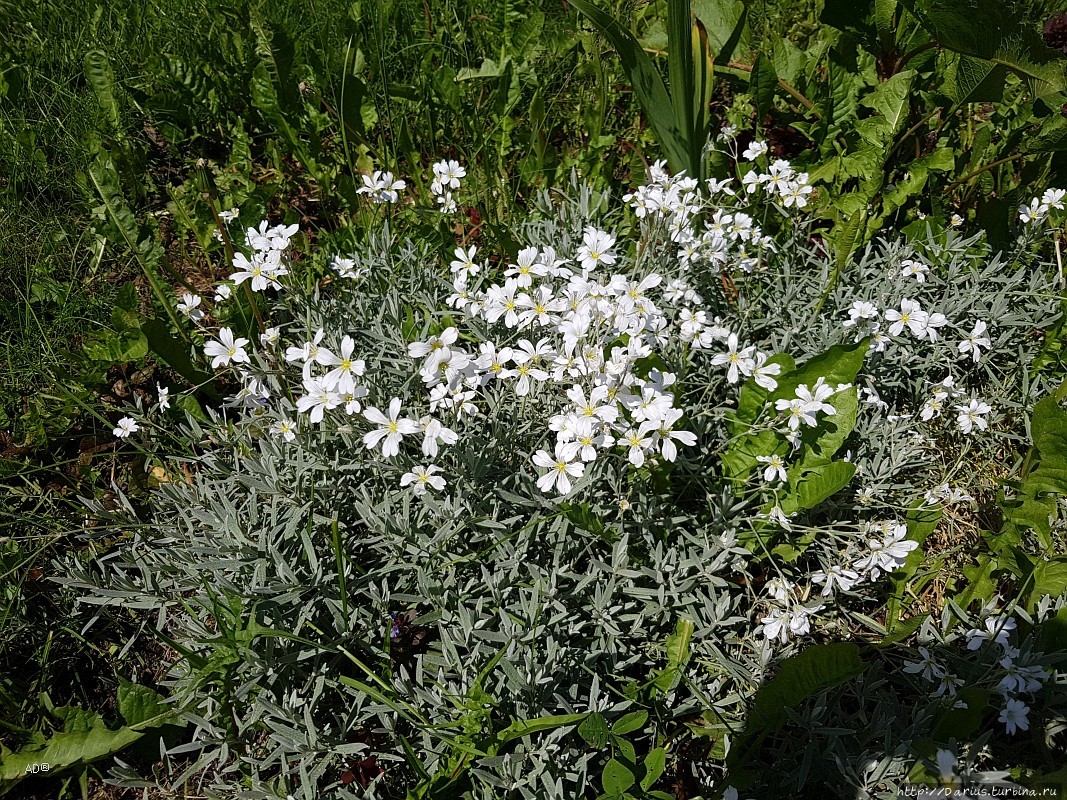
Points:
(101, 78)
(810, 487)
(726, 22)
(762, 83)
(617, 777)
(892, 99)
(818, 667)
(628, 723)
(594, 730)
(140, 704)
(655, 764)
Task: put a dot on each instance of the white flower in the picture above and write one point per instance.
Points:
(270, 337)
(346, 268)
(914, 269)
(422, 478)
(226, 350)
(934, 321)
(860, 312)
(436, 348)
(997, 629)
(1014, 716)
(800, 620)
(382, 187)
(1053, 198)
(188, 306)
(463, 264)
(560, 470)
(776, 625)
(797, 411)
(448, 173)
(230, 216)
(435, 433)
(739, 361)
(390, 429)
(223, 292)
(975, 341)
(596, 249)
(762, 372)
(838, 576)
(662, 432)
(972, 416)
(345, 369)
(319, 397)
(775, 468)
(163, 393)
(815, 398)
(1035, 212)
(910, 315)
(955, 221)
(887, 554)
(946, 767)
(927, 666)
(781, 589)
(126, 426)
(284, 428)
(261, 271)
(1020, 679)
(637, 445)
(754, 150)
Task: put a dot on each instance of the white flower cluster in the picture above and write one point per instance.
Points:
(1039, 207)
(865, 317)
(266, 265)
(382, 187)
(884, 553)
(447, 177)
(1016, 675)
(676, 202)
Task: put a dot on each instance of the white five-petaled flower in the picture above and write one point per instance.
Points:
(560, 469)
(861, 312)
(975, 341)
(126, 426)
(663, 433)
(382, 187)
(910, 316)
(463, 263)
(596, 249)
(997, 629)
(436, 348)
(345, 369)
(422, 478)
(285, 428)
(163, 393)
(973, 415)
(188, 306)
(841, 577)
(926, 666)
(226, 350)
(775, 467)
(390, 428)
(887, 554)
(914, 269)
(318, 398)
(740, 361)
(754, 150)
(1014, 715)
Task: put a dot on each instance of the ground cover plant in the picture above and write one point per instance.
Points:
(455, 461)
